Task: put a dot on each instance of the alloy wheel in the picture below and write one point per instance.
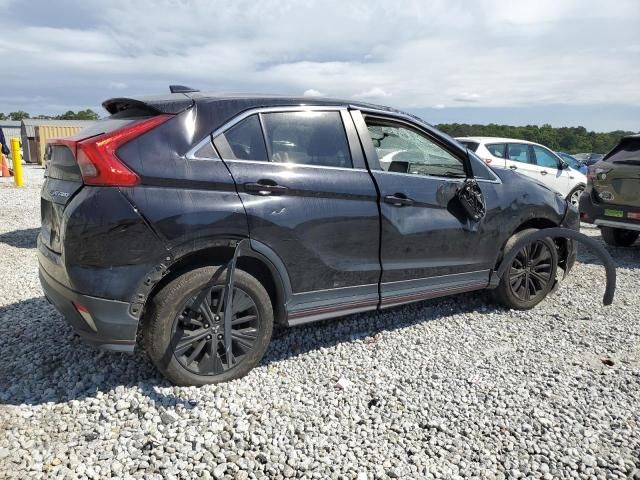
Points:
(198, 340)
(531, 270)
(575, 197)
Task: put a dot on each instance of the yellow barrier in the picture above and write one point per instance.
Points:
(17, 161)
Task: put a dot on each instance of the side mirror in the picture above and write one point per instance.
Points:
(563, 165)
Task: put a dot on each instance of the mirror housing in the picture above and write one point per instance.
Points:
(563, 165)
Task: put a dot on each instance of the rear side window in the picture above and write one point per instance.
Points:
(497, 149)
(243, 141)
(518, 152)
(307, 138)
(473, 146)
(627, 152)
(544, 158)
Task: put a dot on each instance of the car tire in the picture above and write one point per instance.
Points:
(619, 237)
(509, 292)
(574, 196)
(173, 321)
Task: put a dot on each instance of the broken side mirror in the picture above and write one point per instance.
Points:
(470, 197)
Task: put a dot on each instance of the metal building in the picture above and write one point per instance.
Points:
(10, 128)
(35, 133)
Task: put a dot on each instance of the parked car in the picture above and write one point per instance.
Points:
(531, 159)
(612, 197)
(573, 162)
(140, 209)
(589, 158)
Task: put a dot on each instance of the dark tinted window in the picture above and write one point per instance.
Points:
(497, 149)
(206, 151)
(307, 138)
(544, 158)
(473, 146)
(243, 141)
(627, 151)
(519, 152)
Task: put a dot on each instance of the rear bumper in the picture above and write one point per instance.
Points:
(592, 211)
(108, 325)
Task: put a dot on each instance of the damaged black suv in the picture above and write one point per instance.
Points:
(339, 207)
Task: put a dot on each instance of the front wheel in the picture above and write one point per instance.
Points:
(531, 275)
(184, 334)
(574, 197)
(619, 237)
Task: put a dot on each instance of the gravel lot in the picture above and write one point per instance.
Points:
(448, 388)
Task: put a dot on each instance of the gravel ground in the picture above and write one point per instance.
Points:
(448, 388)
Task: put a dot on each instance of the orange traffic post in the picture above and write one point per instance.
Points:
(4, 168)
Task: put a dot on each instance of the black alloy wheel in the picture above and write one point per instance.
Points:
(198, 338)
(531, 271)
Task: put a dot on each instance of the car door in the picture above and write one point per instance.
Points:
(310, 201)
(520, 159)
(428, 246)
(550, 171)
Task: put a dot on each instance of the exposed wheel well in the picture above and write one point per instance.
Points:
(220, 255)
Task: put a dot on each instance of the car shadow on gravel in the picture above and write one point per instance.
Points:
(44, 361)
(20, 238)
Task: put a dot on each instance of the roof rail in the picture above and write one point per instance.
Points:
(181, 89)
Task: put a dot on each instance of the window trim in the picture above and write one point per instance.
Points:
(357, 157)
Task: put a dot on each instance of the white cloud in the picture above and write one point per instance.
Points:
(374, 92)
(489, 53)
(439, 106)
(313, 93)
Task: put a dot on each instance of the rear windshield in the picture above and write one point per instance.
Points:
(628, 151)
(473, 146)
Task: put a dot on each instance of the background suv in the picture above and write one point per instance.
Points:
(346, 207)
(531, 159)
(612, 198)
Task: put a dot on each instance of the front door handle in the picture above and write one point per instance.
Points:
(543, 172)
(398, 200)
(265, 187)
(513, 167)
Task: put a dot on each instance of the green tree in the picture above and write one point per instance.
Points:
(3, 116)
(19, 115)
(87, 114)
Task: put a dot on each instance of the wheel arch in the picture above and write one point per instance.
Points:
(259, 261)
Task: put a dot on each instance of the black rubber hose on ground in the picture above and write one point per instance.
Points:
(594, 246)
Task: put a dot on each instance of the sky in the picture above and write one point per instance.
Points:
(562, 62)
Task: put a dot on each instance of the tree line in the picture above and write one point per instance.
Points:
(562, 139)
(87, 114)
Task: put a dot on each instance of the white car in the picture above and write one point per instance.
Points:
(530, 159)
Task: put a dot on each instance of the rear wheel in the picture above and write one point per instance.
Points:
(185, 337)
(531, 275)
(619, 237)
(574, 196)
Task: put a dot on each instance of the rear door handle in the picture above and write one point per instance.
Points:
(543, 172)
(398, 200)
(513, 167)
(265, 187)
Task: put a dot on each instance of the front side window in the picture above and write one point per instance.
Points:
(544, 158)
(307, 138)
(519, 152)
(243, 141)
(403, 150)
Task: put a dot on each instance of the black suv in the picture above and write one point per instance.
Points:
(346, 207)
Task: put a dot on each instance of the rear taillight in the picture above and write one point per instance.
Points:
(96, 156)
(596, 172)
